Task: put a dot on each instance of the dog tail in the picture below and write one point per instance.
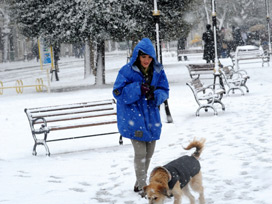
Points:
(198, 144)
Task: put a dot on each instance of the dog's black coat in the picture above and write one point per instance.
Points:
(182, 169)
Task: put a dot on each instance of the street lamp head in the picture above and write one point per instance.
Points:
(156, 13)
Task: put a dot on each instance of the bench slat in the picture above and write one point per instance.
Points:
(52, 128)
(69, 106)
(191, 51)
(53, 114)
(78, 137)
(198, 69)
(50, 120)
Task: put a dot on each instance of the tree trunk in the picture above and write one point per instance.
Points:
(87, 61)
(92, 54)
(6, 32)
(133, 45)
(207, 12)
(100, 72)
(223, 16)
(109, 46)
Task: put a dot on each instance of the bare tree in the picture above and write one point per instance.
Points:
(207, 12)
(6, 32)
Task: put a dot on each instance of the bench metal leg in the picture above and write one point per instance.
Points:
(247, 90)
(206, 106)
(244, 85)
(222, 104)
(232, 89)
(34, 152)
(40, 142)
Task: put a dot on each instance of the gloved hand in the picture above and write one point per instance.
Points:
(150, 94)
(148, 91)
(145, 88)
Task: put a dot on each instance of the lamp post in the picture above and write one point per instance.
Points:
(156, 15)
(268, 25)
(216, 60)
(216, 63)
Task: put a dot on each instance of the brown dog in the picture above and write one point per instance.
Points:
(174, 178)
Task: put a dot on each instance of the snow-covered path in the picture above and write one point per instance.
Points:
(236, 162)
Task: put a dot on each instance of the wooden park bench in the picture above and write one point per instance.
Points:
(206, 96)
(195, 70)
(44, 120)
(249, 52)
(185, 53)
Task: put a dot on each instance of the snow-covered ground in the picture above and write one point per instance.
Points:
(236, 162)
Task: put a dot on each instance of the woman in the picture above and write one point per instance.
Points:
(140, 88)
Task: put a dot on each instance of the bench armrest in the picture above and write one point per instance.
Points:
(43, 127)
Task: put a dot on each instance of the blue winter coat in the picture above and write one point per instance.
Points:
(137, 117)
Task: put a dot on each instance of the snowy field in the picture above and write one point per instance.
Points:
(236, 162)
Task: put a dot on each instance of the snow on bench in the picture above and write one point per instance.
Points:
(206, 95)
(248, 52)
(235, 80)
(195, 70)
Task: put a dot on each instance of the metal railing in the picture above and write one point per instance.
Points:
(19, 86)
